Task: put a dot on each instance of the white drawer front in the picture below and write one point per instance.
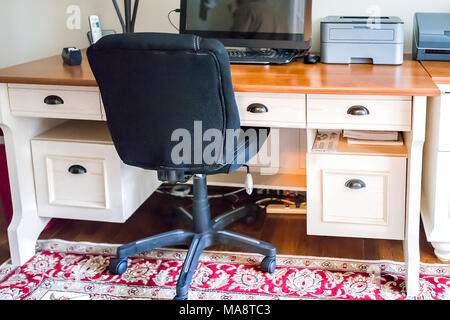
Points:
(55, 102)
(272, 110)
(356, 196)
(359, 113)
(78, 190)
(95, 194)
(341, 204)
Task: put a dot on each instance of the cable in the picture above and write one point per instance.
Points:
(262, 201)
(226, 194)
(182, 191)
(170, 21)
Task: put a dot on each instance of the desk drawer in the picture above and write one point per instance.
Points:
(87, 181)
(272, 110)
(55, 102)
(356, 196)
(77, 180)
(359, 113)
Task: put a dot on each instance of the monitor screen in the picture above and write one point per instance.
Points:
(282, 20)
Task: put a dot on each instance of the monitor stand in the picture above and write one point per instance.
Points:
(263, 56)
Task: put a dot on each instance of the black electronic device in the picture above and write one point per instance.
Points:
(253, 24)
(72, 56)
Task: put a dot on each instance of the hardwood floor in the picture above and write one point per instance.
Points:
(287, 233)
(4, 247)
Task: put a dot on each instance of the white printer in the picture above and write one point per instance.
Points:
(348, 39)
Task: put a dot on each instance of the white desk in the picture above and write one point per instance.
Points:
(42, 144)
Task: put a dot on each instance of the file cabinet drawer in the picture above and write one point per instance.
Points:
(79, 175)
(77, 182)
(359, 113)
(55, 102)
(356, 196)
(274, 110)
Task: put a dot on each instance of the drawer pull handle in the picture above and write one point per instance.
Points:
(77, 169)
(358, 111)
(53, 100)
(355, 184)
(257, 108)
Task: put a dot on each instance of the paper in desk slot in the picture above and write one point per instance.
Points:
(326, 141)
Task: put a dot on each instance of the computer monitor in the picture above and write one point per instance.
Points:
(276, 24)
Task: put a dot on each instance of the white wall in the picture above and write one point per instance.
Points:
(33, 29)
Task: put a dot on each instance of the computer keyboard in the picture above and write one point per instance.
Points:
(267, 56)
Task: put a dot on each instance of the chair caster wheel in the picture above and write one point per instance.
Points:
(269, 264)
(180, 298)
(118, 266)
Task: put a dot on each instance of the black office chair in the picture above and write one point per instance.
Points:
(157, 88)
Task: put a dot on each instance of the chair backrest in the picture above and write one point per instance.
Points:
(153, 84)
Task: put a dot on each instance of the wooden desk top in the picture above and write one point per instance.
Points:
(438, 70)
(410, 79)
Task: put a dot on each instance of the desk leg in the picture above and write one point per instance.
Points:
(415, 142)
(26, 225)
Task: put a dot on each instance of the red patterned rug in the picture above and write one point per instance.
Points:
(79, 271)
